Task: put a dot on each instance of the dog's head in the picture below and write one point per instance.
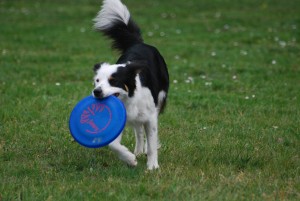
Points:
(116, 79)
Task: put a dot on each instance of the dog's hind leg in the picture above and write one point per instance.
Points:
(158, 145)
(139, 139)
(123, 153)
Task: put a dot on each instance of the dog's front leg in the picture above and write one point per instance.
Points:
(123, 153)
(151, 133)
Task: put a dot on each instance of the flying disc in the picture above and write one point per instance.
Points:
(95, 122)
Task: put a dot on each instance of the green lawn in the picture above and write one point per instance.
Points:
(231, 129)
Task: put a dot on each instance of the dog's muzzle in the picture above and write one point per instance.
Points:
(98, 93)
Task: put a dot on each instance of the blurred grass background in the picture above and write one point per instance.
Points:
(231, 127)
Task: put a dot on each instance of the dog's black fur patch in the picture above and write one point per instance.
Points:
(153, 69)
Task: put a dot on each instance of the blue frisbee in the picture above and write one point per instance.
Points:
(95, 122)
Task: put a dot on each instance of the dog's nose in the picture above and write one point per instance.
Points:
(98, 93)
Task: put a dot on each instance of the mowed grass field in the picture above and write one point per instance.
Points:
(231, 129)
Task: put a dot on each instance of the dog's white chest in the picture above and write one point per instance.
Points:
(140, 107)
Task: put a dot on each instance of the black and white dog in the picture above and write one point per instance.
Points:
(139, 79)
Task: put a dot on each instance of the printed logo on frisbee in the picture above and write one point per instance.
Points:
(91, 115)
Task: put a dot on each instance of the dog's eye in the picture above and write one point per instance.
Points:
(114, 82)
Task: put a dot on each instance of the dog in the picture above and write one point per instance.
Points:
(139, 78)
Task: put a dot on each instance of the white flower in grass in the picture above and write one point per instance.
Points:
(226, 26)
(243, 52)
(275, 127)
(175, 81)
(203, 128)
(189, 80)
(178, 31)
(282, 44)
(162, 34)
(177, 57)
(248, 97)
(274, 62)
(235, 44)
(57, 84)
(217, 15)
(4, 51)
(150, 33)
(208, 83)
(234, 77)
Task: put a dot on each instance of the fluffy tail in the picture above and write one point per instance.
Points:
(114, 21)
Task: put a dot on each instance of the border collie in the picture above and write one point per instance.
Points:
(139, 79)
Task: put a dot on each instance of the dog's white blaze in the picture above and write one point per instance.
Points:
(103, 74)
(106, 70)
(112, 11)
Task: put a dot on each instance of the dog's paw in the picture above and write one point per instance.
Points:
(152, 165)
(129, 159)
(133, 162)
(138, 152)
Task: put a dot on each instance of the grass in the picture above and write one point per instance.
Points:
(231, 127)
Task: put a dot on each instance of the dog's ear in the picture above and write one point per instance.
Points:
(97, 66)
(135, 67)
(130, 71)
